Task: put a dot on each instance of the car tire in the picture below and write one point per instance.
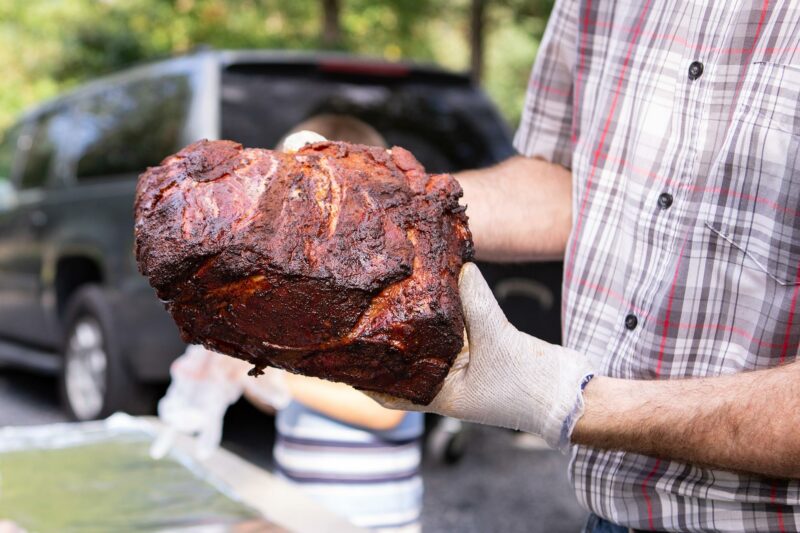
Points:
(94, 380)
(447, 441)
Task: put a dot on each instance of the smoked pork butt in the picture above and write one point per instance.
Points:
(338, 261)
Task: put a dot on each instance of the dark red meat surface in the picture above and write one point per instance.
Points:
(338, 261)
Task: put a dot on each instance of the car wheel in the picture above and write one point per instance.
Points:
(94, 380)
(447, 442)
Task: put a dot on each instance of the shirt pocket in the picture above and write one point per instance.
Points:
(751, 203)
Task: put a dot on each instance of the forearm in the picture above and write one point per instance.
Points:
(342, 403)
(746, 422)
(257, 400)
(519, 210)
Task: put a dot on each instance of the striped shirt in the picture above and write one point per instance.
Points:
(370, 477)
(680, 122)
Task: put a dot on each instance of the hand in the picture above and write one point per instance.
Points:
(507, 378)
(204, 384)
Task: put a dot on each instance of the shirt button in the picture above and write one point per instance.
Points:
(664, 200)
(695, 70)
(631, 322)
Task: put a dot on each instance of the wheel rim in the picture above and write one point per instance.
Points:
(86, 362)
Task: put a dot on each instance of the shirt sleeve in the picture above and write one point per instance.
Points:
(545, 129)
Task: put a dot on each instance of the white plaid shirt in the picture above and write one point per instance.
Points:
(681, 124)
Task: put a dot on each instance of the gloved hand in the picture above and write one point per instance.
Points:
(504, 377)
(204, 384)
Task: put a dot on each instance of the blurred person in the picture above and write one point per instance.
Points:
(350, 454)
(658, 156)
(353, 456)
(337, 127)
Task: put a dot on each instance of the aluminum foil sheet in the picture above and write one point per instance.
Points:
(99, 476)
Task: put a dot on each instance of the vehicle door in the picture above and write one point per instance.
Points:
(9, 162)
(127, 127)
(122, 127)
(22, 224)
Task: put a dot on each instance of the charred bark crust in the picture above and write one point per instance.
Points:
(339, 261)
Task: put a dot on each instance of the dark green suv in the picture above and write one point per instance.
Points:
(71, 299)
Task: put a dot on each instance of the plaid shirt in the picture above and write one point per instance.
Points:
(681, 124)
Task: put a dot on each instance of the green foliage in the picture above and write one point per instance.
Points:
(47, 46)
(515, 28)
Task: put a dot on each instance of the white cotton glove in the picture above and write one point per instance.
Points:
(297, 140)
(507, 378)
(204, 384)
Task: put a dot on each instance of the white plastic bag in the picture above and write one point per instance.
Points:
(203, 386)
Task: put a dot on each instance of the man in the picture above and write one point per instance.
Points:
(672, 129)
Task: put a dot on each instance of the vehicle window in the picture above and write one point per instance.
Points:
(41, 153)
(448, 127)
(126, 128)
(8, 148)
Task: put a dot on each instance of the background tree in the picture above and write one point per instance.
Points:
(49, 46)
(476, 27)
(332, 29)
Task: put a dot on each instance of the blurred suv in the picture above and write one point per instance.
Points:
(71, 299)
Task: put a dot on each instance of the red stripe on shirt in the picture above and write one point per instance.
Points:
(581, 67)
(642, 313)
(733, 329)
(773, 497)
(790, 320)
(548, 89)
(698, 47)
(673, 182)
(645, 314)
(647, 495)
(669, 308)
(637, 32)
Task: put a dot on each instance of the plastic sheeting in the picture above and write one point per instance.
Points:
(100, 477)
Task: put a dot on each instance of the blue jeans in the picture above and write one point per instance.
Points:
(595, 524)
